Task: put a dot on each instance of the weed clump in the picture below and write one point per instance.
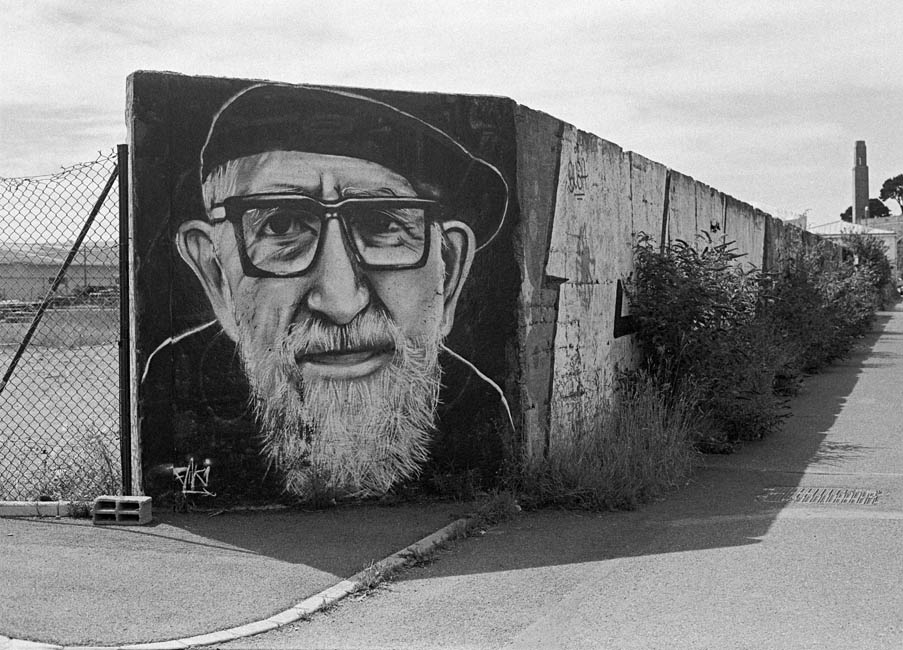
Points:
(627, 452)
(82, 466)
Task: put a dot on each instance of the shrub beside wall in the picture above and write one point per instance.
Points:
(696, 315)
(743, 338)
(722, 347)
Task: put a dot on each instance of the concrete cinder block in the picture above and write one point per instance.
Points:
(122, 511)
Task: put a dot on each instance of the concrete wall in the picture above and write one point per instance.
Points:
(577, 249)
(200, 326)
(539, 310)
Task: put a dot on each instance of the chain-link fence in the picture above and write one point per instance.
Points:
(59, 334)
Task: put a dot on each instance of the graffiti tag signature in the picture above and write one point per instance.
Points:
(191, 478)
(577, 174)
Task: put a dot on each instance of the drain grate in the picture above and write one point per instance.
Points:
(823, 495)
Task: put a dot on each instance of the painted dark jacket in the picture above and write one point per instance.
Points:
(195, 403)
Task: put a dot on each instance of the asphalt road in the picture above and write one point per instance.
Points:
(719, 564)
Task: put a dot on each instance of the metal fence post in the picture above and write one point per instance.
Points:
(125, 409)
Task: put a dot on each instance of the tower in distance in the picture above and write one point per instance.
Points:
(860, 183)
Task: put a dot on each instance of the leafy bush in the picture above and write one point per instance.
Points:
(722, 347)
(623, 454)
(870, 258)
(818, 305)
(696, 313)
(742, 339)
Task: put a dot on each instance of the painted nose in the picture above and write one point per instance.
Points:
(338, 293)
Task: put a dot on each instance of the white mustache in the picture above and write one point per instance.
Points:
(371, 330)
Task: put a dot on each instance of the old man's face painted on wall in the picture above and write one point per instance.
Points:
(338, 312)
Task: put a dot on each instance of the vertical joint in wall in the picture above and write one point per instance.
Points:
(723, 218)
(665, 209)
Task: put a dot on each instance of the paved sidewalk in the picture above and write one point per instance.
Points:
(718, 565)
(67, 582)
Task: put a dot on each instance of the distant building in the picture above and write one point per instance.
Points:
(860, 183)
(798, 218)
(837, 229)
(895, 223)
(27, 270)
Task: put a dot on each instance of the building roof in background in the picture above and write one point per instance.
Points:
(784, 214)
(90, 253)
(840, 227)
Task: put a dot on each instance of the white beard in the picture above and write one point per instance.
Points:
(334, 437)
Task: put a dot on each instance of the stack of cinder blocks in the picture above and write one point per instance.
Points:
(122, 511)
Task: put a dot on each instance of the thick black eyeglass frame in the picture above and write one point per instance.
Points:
(236, 206)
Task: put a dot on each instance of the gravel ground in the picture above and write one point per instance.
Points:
(59, 419)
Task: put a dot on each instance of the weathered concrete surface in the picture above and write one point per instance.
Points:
(537, 313)
(746, 228)
(711, 566)
(647, 195)
(710, 212)
(583, 202)
(65, 581)
(538, 151)
(682, 208)
(589, 252)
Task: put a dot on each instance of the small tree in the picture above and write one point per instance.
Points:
(876, 209)
(893, 189)
(871, 255)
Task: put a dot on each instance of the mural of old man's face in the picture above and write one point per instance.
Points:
(336, 237)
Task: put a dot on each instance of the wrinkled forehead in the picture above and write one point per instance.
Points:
(322, 176)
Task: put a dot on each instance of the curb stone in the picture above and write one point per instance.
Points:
(33, 509)
(371, 576)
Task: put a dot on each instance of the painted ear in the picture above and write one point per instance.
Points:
(195, 243)
(457, 254)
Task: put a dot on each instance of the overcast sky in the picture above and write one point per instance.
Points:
(762, 100)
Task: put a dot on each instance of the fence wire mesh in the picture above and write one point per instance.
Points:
(59, 411)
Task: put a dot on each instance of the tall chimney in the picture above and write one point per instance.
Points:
(860, 183)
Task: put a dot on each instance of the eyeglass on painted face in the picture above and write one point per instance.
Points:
(279, 235)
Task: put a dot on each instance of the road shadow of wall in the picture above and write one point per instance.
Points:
(722, 505)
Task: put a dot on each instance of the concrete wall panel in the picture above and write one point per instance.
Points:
(205, 351)
(538, 153)
(647, 195)
(583, 368)
(681, 208)
(746, 230)
(774, 229)
(590, 251)
(709, 213)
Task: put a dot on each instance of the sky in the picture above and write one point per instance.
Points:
(762, 100)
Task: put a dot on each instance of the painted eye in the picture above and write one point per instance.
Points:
(280, 224)
(389, 227)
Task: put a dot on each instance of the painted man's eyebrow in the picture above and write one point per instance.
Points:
(360, 192)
